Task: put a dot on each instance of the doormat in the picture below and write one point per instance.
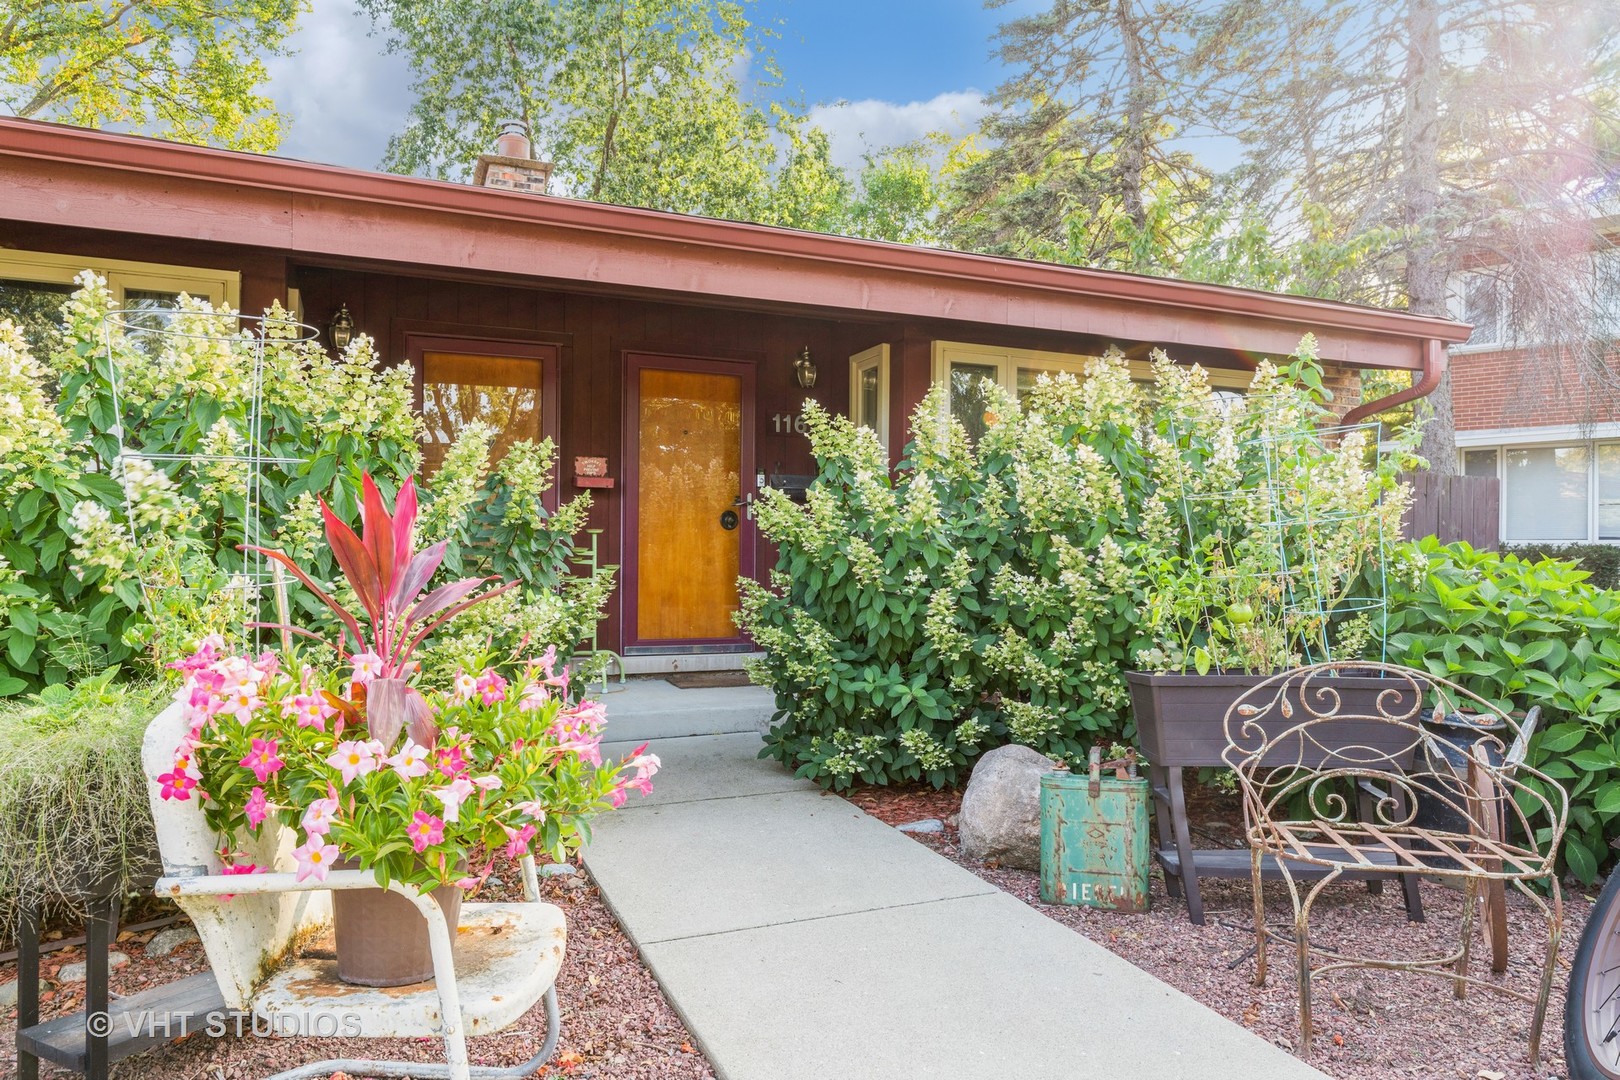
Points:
(706, 680)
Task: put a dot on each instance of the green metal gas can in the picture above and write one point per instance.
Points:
(1094, 839)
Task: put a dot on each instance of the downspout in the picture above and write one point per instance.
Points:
(1434, 367)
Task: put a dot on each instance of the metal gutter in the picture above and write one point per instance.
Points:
(29, 139)
(1430, 374)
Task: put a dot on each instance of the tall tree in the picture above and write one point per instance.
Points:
(1079, 157)
(1482, 133)
(639, 102)
(188, 70)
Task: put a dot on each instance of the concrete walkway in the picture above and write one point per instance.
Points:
(800, 938)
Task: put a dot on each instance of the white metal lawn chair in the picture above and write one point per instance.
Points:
(503, 960)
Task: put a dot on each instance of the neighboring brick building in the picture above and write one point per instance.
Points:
(1541, 419)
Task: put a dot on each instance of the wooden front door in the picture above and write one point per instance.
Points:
(693, 470)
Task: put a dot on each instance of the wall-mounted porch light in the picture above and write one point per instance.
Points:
(804, 369)
(341, 330)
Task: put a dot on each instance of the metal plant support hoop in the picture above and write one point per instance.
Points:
(248, 345)
(1281, 523)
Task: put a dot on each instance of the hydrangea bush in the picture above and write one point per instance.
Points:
(995, 591)
(132, 564)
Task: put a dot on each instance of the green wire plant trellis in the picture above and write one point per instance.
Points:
(157, 330)
(1281, 534)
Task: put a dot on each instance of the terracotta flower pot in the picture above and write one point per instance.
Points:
(382, 939)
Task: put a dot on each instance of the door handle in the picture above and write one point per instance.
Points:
(747, 503)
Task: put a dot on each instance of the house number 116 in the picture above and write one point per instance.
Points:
(788, 422)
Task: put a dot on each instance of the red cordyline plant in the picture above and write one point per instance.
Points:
(388, 576)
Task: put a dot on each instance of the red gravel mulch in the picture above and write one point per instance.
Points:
(615, 1021)
(1371, 1025)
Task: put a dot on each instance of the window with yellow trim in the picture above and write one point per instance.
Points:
(33, 285)
(965, 367)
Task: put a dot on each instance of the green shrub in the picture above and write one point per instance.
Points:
(1602, 561)
(1521, 633)
(73, 799)
(994, 591)
(106, 561)
(978, 597)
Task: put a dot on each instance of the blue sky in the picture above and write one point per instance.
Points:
(900, 68)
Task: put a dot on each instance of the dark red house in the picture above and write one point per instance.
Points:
(677, 348)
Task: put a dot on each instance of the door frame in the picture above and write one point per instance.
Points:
(420, 338)
(635, 361)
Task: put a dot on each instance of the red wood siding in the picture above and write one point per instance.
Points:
(594, 332)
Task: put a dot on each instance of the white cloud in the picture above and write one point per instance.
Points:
(345, 95)
(857, 127)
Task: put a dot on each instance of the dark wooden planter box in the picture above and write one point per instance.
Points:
(1181, 723)
(1181, 719)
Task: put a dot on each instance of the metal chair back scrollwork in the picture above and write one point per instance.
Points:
(1334, 783)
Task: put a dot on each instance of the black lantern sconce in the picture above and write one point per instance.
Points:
(804, 369)
(341, 329)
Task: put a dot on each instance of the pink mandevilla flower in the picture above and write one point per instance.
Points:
(425, 830)
(487, 783)
(517, 841)
(353, 758)
(232, 869)
(533, 808)
(318, 818)
(410, 762)
(453, 795)
(264, 759)
(177, 785)
(207, 653)
(310, 710)
(241, 700)
(315, 859)
(257, 808)
(645, 765)
(465, 686)
(367, 666)
(452, 762)
(573, 738)
(491, 687)
(201, 703)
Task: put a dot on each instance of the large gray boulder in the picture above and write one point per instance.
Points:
(1001, 808)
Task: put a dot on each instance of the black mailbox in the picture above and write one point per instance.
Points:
(791, 485)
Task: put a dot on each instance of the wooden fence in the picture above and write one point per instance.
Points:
(1455, 508)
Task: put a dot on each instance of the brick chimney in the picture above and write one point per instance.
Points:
(511, 167)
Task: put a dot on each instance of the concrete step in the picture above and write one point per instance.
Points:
(650, 708)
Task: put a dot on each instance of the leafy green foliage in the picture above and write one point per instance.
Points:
(1602, 561)
(103, 562)
(188, 70)
(979, 596)
(1521, 633)
(73, 799)
(637, 103)
(991, 590)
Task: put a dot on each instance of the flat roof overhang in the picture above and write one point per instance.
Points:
(57, 175)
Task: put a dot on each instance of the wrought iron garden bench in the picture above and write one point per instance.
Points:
(1302, 813)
